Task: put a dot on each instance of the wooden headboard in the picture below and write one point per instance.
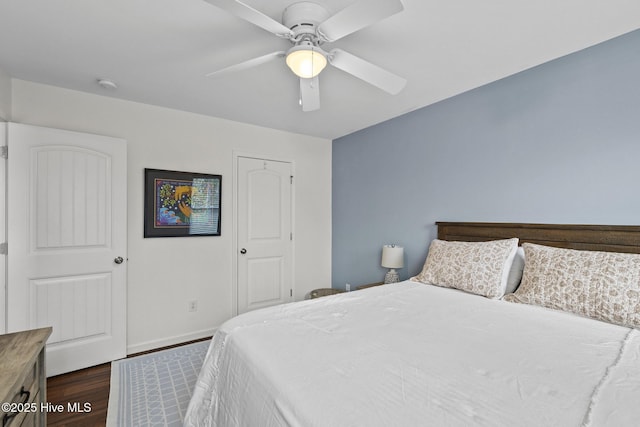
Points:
(610, 238)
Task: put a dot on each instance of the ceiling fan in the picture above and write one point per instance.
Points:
(307, 26)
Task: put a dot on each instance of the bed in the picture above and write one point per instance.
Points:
(453, 353)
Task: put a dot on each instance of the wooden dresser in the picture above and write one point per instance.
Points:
(23, 387)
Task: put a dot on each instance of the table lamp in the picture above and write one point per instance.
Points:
(392, 258)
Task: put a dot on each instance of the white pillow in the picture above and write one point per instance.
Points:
(480, 268)
(515, 272)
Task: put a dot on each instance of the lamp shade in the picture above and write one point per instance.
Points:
(306, 61)
(392, 256)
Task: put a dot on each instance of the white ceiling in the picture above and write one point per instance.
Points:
(158, 52)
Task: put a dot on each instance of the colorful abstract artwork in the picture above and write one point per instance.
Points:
(181, 204)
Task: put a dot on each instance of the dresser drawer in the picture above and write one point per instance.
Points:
(28, 387)
(32, 419)
(25, 400)
(22, 378)
(23, 419)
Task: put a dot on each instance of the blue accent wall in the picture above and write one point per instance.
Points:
(558, 143)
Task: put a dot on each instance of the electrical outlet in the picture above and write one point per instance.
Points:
(347, 287)
(193, 305)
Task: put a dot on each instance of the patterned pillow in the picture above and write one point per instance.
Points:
(476, 267)
(600, 285)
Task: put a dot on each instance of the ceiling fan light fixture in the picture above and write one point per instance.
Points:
(306, 61)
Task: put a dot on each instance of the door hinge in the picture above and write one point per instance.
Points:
(290, 292)
(291, 178)
(4, 151)
(4, 248)
(290, 236)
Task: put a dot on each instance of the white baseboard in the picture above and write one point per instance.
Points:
(164, 342)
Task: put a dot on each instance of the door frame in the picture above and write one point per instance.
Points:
(4, 227)
(234, 240)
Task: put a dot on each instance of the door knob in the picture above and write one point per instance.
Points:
(243, 251)
(118, 260)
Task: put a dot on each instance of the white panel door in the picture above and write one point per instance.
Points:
(265, 240)
(67, 256)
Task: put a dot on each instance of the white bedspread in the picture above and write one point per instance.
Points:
(409, 354)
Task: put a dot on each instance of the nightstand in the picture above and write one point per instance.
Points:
(370, 285)
(323, 292)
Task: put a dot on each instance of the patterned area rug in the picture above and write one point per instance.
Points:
(154, 389)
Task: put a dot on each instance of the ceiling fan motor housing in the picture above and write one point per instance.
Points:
(303, 18)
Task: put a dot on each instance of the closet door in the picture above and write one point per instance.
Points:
(264, 233)
(67, 256)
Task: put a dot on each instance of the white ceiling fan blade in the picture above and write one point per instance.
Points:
(254, 16)
(357, 16)
(310, 94)
(248, 64)
(367, 71)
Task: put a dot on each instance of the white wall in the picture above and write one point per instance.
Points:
(165, 273)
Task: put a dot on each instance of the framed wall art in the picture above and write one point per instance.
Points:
(181, 204)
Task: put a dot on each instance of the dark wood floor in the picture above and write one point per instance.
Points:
(89, 385)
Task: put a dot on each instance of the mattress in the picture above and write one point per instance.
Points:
(410, 354)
